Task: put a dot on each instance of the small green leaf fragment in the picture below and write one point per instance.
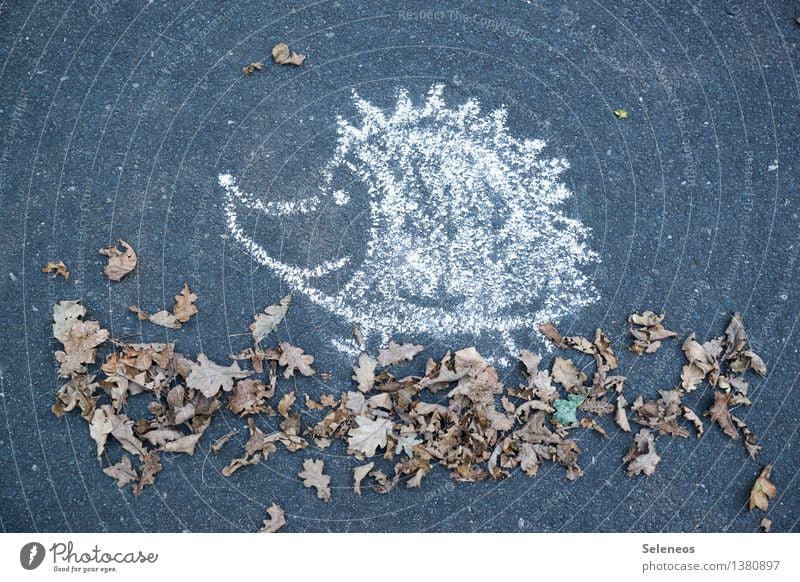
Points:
(621, 113)
(565, 409)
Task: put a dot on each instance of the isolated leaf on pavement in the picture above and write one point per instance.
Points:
(268, 321)
(313, 476)
(275, 521)
(184, 307)
(120, 262)
(282, 56)
(58, 267)
(763, 490)
(251, 68)
(208, 377)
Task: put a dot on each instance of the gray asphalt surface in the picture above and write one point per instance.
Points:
(117, 118)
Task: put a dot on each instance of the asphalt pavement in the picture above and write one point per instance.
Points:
(119, 117)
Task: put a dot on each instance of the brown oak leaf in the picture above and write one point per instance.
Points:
(395, 353)
(120, 262)
(294, 359)
(275, 521)
(763, 490)
(208, 377)
(313, 476)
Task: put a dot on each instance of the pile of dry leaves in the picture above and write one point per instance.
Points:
(457, 414)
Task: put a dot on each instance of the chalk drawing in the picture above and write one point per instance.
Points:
(465, 235)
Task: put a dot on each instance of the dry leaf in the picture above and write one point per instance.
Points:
(720, 413)
(65, 314)
(312, 476)
(282, 56)
(208, 377)
(294, 359)
(251, 68)
(763, 490)
(364, 372)
(368, 436)
(358, 476)
(549, 330)
(649, 333)
(184, 307)
(565, 373)
(276, 520)
(163, 318)
(642, 457)
(120, 263)
(248, 397)
(395, 353)
(268, 321)
(766, 524)
(621, 417)
(59, 268)
(149, 467)
(80, 345)
(220, 442)
(123, 472)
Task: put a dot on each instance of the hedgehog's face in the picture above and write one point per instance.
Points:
(464, 233)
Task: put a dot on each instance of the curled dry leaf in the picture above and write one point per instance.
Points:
(395, 353)
(163, 318)
(221, 441)
(548, 329)
(208, 377)
(248, 397)
(313, 476)
(275, 521)
(749, 437)
(649, 332)
(120, 262)
(150, 466)
(252, 68)
(621, 417)
(720, 413)
(358, 476)
(642, 457)
(294, 359)
(766, 524)
(364, 372)
(282, 56)
(763, 490)
(58, 267)
(268, 321)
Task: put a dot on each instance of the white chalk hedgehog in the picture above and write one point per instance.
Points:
(464, 235)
